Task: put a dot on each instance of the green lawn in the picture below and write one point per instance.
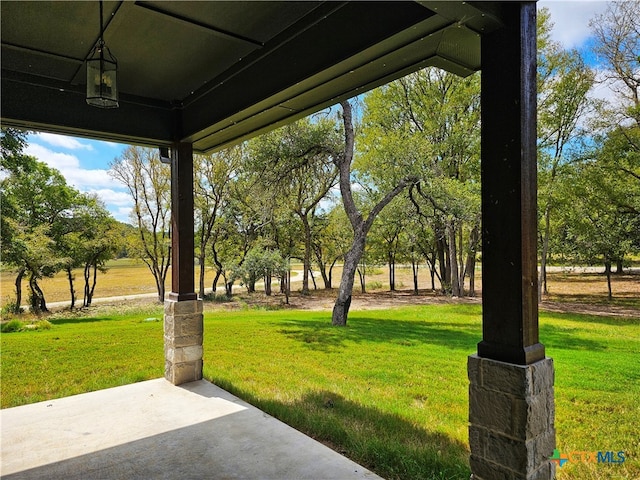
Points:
(390, 390)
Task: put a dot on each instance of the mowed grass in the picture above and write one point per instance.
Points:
(389, 390)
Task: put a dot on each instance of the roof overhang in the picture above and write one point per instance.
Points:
(215, 73)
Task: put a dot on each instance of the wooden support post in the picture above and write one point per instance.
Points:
(183, 320)
(182, 245)
(509, 188)
(511, 399)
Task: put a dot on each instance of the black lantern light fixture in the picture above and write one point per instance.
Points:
(102, 69)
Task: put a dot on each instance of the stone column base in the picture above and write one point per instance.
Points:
(511, 420)
(183, 341)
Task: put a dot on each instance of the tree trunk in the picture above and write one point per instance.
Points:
(214, 284)
(228, 287)
(331, 272)
(359, 225)
(159, 284)
(620, 266)
(461, 264)
(392, 272)
(325, 278)
(343, 302)
(362, 274)
(251, 285)
(267, 284)
(432, 272)
(202, 272)
(607, 271)
(18, 285)
(38, 303)
(471, 260)
(442, 253)
(86, 273)
(414, 269)
(71, 290)
(542, 279)
(284, 285)
(93, 284)
(322, 266)
(313, 279)
(306, 268)
(453, 262)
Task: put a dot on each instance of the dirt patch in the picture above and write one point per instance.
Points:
(570, 291)
(323, 300)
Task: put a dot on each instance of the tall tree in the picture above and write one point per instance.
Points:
(296, 163)
(563, 84)
(359, 223)
(149, 184)
(36, 202)
(386, 235)
(12, 145)
(330, 241)
(212, 179)
(595, 229)
(430, 122)
(617, 45)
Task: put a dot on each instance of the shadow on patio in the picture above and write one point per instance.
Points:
(155, 430)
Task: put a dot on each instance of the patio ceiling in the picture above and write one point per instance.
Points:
(214, 73)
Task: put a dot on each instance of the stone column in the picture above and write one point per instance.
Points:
(182, 310)
(511, 416)
(183, 341)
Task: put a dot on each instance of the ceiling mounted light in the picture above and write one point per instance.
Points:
(102, 69)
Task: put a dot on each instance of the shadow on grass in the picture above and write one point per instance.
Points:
(616, 321)
(383, 442)
(138, 318)
(321, 335)
(569, 339)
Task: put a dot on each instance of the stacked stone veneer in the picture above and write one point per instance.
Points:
(183, 341)
(511, 420)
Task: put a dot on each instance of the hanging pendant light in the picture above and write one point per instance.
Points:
(102, 69)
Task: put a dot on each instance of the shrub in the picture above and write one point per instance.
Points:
(39, 325)
(12, 326)
(18, 326)
(10, 309)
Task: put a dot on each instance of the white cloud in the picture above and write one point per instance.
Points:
(113, 197)
(97, 181)
(86, 179)
(571, 19)
(62, 141)
(69, 167)
(57, 160)
(122, 214)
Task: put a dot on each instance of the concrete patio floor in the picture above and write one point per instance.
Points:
(154, 430)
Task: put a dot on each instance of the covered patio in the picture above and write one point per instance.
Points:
(197, 76)
(156, 430)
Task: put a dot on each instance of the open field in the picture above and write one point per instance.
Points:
(389, 391)
(127, 277)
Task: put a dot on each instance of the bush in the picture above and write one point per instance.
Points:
(39, 325)
(18, 326)
(10, 308)
(12, 326)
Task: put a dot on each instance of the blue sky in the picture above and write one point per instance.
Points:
(84, 163)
